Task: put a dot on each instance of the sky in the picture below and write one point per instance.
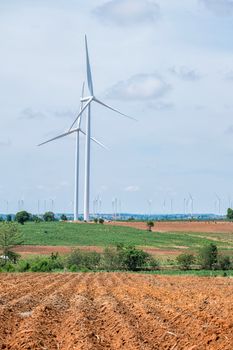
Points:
(168, 63)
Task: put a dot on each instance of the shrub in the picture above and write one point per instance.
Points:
(49, 216)
(229, 214)
(133, 259)
(63, 217)
(95, 220)
(208, 256)
(185, 261)
(89, 260)
(23, 266)
(111, 259)
(101, 221)
(152, 263)
(224, 262)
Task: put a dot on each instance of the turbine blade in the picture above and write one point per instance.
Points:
(59, 136)
(113, 109)
(99, 143)
(89, 76)
(95, 140)
(81, 112)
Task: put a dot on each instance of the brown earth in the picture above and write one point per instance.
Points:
(181, 226)
(94, 311)
(25, 250)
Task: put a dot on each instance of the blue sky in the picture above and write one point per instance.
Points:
(167, 63)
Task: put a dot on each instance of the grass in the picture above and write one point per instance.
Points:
(69, 234)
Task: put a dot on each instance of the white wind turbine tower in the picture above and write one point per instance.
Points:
(76, 130)
(88, 100)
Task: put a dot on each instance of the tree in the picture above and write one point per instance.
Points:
(10, 236)
(149, 224)
(101, 221)
(208, 256)
(22, 216)
(9, 218)
(49, 216)
(229, 214)
(63, 217)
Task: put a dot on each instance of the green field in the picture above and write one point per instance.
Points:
(69, 234)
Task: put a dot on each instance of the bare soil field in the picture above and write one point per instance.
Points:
(26, 250)
(181, 226)
(92, 311)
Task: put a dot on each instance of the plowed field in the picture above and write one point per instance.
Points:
(115, 311)
(181, 226)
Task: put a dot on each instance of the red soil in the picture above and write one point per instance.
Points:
(115, 311)
(181, 226)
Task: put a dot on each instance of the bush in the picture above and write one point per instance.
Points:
(110, 259)
(224, 262)
(89, 260)
(208, 256)
(229, 214)
(152, 263)
(36, 219)
(101, 221)
(22, 216)
(133, 259)
(49, 216)
(185, 261)
(95, 220)
(63, 217)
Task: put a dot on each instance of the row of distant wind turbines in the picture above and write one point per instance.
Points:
(76, 128)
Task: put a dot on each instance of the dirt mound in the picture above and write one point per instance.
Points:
(115, 311)
(181, 226)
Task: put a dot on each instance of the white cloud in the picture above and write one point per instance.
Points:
(139, 87)
(219, 7)
(127, 12)
(185, 73)
(132, 188)
(29, 113)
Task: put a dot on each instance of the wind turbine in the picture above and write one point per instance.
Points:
(87, 105)
(76, 130)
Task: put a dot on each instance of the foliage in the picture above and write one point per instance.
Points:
(101, 221)
(208, 256)
(9, 237)
(63, 217)
(185, 261)
(9, 218)
(150, 224)
(49, 216)
(36, 219)
(132, 259)
(22, 216)
(1, 219)
(224, 262)
(89, 260)
(230, 214)
(95, 220)
(111, 259)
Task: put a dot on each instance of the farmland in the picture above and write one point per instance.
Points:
(46, 237)
(115, 311)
